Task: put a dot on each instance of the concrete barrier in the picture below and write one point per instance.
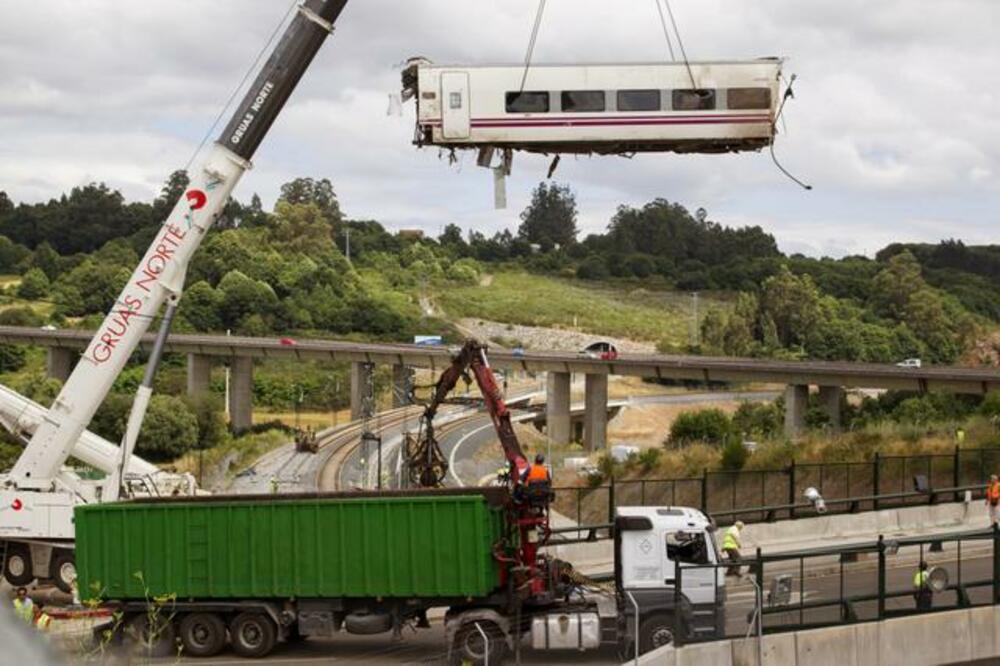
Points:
(919, 640)
(865, 526)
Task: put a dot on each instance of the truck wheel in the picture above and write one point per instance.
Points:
(150, 637)
(252, 634)
(17, 567)
(655, 632)
(62, 571)
(469, 647)
(203, 634)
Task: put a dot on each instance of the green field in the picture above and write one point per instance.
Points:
(623, 311)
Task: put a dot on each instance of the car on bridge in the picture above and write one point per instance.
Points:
(604, 351)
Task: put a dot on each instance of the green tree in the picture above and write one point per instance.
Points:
(172, 190)
(894, 285)
(243, 297)
(47, 259)
(11, 358)
(11, 254)
(34, 285)
(169, 430)
(302, 227)
(200, 307)
(793, 303)
(550, 218)
(302, 191)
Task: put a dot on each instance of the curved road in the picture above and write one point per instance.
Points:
(462, 442)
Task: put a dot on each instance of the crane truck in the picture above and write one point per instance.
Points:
(39, 494)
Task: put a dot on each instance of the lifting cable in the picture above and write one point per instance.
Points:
(666, 30)
(789, 94)
(253, 67)
(680, 42)
(531, 43)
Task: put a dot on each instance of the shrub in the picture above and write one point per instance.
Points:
(758, 419)
(592, 268)
(734, 455)
(712, 426)
(20, 316)
(648, 458)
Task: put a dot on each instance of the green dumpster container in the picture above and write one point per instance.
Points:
(428, 544)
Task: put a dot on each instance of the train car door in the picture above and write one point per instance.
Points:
(456, 119)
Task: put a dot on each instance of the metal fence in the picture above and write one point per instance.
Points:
(863, 582)
(777, 494)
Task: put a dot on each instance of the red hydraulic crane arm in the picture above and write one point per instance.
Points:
(472, 357)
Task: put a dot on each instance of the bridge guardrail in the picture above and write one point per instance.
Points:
(865, 582)
(885, 482)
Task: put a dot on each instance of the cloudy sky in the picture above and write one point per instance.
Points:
(894, 122)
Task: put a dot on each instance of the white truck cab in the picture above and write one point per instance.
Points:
(651, 544)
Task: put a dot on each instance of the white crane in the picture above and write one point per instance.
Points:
(38, 496)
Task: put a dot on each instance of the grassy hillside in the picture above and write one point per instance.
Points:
(602, 308)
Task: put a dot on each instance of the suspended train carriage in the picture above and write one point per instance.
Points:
(621, 109)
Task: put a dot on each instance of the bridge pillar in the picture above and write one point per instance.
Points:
(59, 363)
(402, 385)
(557, 425)
(199, 374)
(595, 423)
(830, 398)
(362, 390)
(796, 404)
(240, 393)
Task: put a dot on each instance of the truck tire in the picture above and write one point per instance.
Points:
(252, 635)
(62, 570)
(203, 634)
(655, 632)
(152, 637)
(17, 568)
(468, 646)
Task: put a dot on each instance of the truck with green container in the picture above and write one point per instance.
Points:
(253, 571)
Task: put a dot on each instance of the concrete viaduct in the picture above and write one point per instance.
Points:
(65, 346)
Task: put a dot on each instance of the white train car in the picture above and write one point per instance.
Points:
(604, 108)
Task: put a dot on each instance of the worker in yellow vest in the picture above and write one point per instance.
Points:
(23, 605)
(41, 619)
(731, 545)
(922, 591)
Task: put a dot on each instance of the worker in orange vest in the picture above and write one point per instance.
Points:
(538, 472)
(993, 499)
(537, 482)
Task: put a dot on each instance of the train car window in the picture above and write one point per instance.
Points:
(749, 98)
(693, 100)
(527, 102)
(583, 101)
(638, 100)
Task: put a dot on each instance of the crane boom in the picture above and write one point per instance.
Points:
(427, 463)
(160, 274)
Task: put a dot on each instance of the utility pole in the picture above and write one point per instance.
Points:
(695, 332)
(348, 244)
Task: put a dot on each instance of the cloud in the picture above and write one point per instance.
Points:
(893, 120)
